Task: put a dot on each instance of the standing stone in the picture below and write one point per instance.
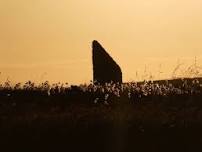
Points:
(105, 69)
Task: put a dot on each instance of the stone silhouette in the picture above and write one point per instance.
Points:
(105, 69)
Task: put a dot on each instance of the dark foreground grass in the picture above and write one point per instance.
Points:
(49, 124)
(162, 116)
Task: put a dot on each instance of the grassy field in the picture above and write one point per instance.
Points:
(37, 121)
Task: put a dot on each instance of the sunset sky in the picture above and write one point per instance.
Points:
(51, 39)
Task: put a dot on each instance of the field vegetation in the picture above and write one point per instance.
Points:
(149, 115)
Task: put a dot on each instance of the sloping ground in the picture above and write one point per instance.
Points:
(179, 81)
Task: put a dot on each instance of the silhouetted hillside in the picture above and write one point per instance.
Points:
(148, 116)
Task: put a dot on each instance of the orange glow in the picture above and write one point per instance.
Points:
(51, 40)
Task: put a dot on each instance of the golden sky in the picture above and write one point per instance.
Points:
(51, 39)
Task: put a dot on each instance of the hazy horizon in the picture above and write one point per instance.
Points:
(51, 40)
